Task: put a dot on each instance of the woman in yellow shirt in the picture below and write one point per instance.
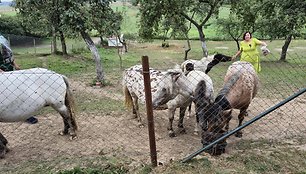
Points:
(249, 52)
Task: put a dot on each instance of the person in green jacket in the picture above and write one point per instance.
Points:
(7, 63)
(248, 50)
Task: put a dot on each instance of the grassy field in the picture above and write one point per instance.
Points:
(7, 10)
(165, 58)
(249, 157)
(278, 79)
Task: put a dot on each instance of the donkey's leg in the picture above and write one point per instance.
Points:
(228, 118)
(189, 110)
(134, 100)
(171, 112)
(136, 108)
(241, 115)
(3, 148)
(67, 119)
(197, 125)
(181, 120)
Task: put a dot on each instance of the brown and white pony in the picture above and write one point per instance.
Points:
(240, 87)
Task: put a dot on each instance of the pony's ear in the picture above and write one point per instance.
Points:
(175, 76)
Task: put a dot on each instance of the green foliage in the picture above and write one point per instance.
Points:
(37, 16)
(10, 25)
(80, 50)
(174, 14)
(283, 18)
(248, 14)
(78, 170)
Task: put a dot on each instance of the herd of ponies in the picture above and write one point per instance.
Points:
(190, 83)
(27, 91)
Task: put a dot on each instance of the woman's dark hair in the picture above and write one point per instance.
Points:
(243, 37)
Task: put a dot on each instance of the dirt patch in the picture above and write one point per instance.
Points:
(118, 133)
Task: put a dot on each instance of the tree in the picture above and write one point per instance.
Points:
(244, 16)
(198, 12)
(82, 16)
(73, 18)
(284, 19)
(43, 17)
(11, 25)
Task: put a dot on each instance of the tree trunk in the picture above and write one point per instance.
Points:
(203, 41)
(101, 41)
(94, 51)
(237, 43)
(188, 47)
(285, 48)
(63, 42)
(54, 45)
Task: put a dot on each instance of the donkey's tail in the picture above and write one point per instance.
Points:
(128, 97)
(69, 102)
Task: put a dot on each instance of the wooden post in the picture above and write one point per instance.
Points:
(34, 43)
(148, 95)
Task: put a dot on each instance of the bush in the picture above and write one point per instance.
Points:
(10, 25)
(80, 50)
(130, 36)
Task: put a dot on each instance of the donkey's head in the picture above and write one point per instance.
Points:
(215, 114)
(171, 84)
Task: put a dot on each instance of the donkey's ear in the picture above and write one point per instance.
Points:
(175, 76)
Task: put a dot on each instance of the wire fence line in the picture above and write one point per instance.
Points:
(107, 128)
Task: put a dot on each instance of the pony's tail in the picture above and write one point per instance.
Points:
(128, 97)
(69, 102)
(200, 91)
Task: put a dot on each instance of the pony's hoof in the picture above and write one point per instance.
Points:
(140, 125)
(182, 131)
(172, 134)
(1, 156)
(73, 137)
(2, 153)
(62, 133)
(238, 134)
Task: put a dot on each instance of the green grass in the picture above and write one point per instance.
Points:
(7, 10)
(277, 79)
(275, 76)
(87, 102)
(73, 165)
(267, 160)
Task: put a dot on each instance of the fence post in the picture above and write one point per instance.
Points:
(147, 85)
(34, 43)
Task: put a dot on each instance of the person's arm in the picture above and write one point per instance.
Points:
(16, 65)
(237, 54)
(262, 43)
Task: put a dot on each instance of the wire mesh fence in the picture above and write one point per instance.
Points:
(107, 128)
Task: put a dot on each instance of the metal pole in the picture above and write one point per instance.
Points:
(246, 124)
(147, 85)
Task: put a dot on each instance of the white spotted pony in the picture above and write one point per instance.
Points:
(133, 87)
(24, 92)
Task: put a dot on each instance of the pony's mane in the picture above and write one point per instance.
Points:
(229, 84)
(176, 69)
(209, 58)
